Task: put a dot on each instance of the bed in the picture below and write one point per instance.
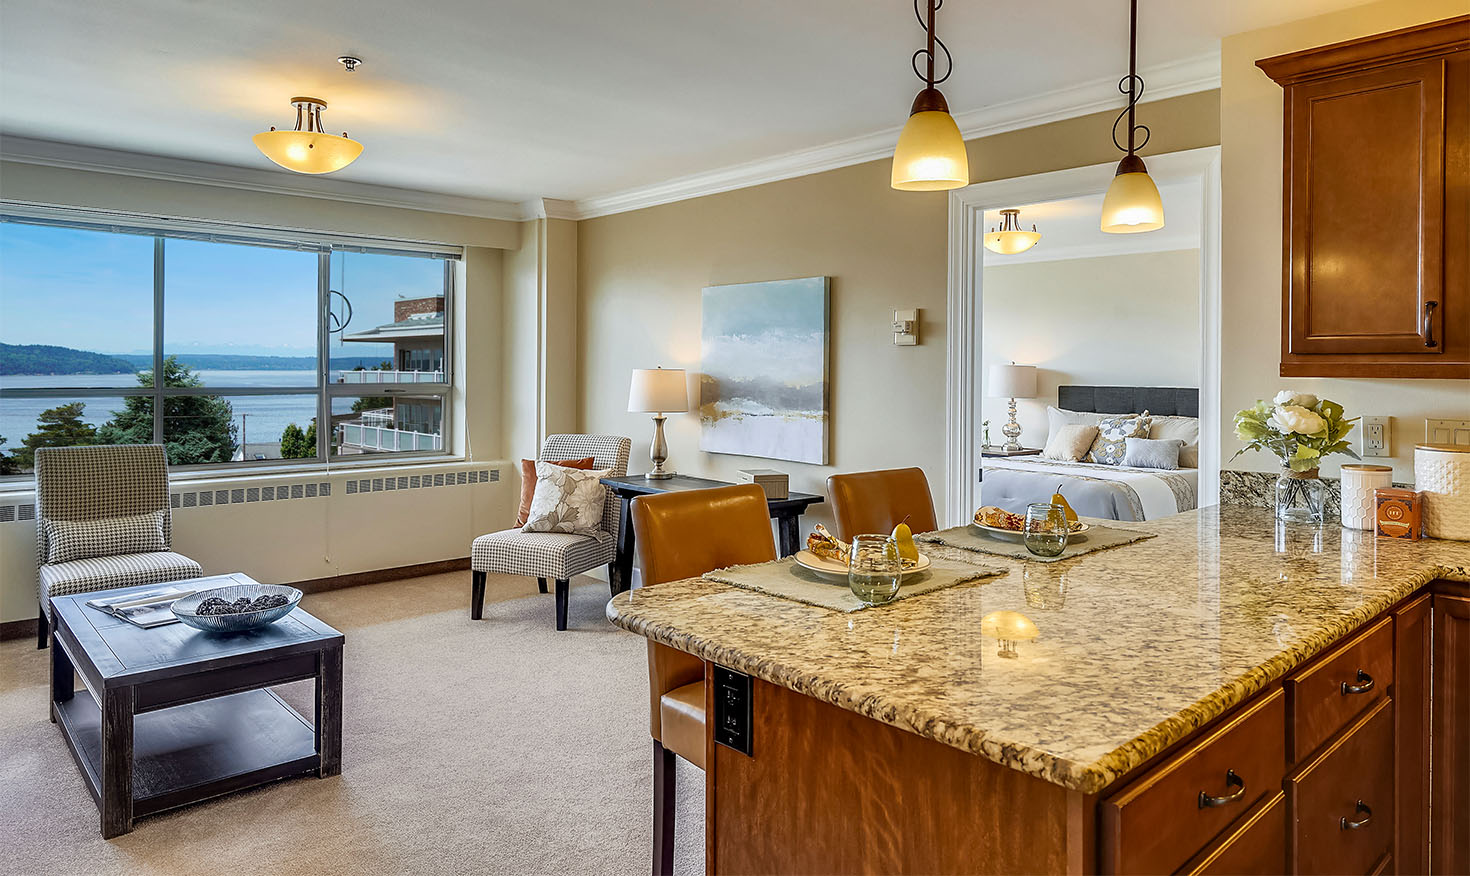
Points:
(1110, 492)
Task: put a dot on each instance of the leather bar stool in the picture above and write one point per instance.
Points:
(683, 535)
(875, 501)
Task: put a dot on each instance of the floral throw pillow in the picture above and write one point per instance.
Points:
(1111, 444)
(567, 500)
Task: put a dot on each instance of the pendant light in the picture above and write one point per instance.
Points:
(931, 153)
(1132, 203)
(1009, 239)
(308, 149)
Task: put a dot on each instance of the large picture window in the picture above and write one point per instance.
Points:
(270, 350)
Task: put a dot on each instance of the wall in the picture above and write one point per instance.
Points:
(343, 532)
(1128, 320)
(640, 276)
(1251, 146)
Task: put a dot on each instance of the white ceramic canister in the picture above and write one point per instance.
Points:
(1442, 474)
(1359, 509)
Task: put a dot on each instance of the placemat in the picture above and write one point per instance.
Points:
(788, 580)
(971, 539)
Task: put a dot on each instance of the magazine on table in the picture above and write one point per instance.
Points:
(151, 608)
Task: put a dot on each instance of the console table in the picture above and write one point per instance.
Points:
(786, 512)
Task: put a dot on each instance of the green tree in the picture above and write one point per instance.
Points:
(8, 465)
(373, 402)
(293, 442)
(61, 426)
(196, 428)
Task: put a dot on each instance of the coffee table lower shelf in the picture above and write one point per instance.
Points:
(192, 752)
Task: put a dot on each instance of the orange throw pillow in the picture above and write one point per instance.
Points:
(528, 481)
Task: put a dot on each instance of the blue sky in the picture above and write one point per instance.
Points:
(94, 291)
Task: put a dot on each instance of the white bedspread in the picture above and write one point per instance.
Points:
(1159, 493)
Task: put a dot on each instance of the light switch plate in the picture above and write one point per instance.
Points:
(909, 319)
(1447, 432)
(1376, 440)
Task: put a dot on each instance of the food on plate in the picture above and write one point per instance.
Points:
(825, 545)
(904, 538)
(1058, 499)
(999, 518)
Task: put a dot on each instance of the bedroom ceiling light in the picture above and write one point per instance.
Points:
(309, 148)
(1132, 203)
(931, 153)
(1009, 239)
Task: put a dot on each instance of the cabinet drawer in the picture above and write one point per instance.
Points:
(1166, 816)
(1327, 697)
(1351, 782)
(1256, 845)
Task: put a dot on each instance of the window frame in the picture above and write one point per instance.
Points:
(325, 391)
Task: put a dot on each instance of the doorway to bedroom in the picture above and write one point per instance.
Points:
(1081, 333)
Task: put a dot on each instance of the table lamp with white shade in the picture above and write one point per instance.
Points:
(658, 391)
(1012, 381)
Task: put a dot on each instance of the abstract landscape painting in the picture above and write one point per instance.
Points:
(763, 390)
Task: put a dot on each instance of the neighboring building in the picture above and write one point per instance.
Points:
(409, 422)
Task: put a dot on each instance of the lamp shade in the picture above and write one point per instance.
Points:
(931, 154)
(1013, 381)
(1132, 204)
(308, 151)
(658, 391)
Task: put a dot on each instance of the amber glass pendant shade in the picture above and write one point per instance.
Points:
(1132, 203)
(308, 149)
(931, 154)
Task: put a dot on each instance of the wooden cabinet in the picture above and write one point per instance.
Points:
(1340, 685)
(1341, 802)
(1376, 205)
(1450, 832)
(1412, 655)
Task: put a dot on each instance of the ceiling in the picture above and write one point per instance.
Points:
(1070, 229)
(570, 100)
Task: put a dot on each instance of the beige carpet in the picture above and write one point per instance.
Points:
(497, 746)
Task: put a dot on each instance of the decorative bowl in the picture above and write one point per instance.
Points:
(187, 609)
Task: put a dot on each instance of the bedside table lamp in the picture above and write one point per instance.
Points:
(658, 391)
(1012, 381)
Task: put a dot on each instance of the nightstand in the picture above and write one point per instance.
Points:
(996, 451)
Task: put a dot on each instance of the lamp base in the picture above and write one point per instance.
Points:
(658, 452)
(1012, 430)
(659, 475)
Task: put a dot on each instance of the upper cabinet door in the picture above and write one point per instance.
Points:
(1366, 213)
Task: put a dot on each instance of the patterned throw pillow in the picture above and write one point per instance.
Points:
(1113, 434)
(68, 540)
(567, 500)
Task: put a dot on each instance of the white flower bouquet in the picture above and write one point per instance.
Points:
(1297, 427)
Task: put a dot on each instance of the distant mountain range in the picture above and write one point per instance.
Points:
(42, 359)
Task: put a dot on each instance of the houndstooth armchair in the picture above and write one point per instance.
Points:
(555, 555)
(109, 504)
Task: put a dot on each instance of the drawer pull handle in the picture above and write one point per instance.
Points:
(1231, 779)
(1361, 823)
(1365, 684)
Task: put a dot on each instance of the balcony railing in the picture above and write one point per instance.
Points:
(361, 377)
(386, 439)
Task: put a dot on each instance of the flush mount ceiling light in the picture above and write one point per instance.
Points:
(1009, 239)
(931, 153)
(309, 148)
(1132, 203)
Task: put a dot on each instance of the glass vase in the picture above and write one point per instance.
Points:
(1301, 497)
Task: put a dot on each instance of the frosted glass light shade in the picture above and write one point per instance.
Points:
(307, 151)
(1132, 204)
(1013, 381)
(931, 155)
(658, 391)
(1011, 242)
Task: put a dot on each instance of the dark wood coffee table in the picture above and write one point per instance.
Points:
(177, 715)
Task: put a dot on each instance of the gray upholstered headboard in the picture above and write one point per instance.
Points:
(1164, 401)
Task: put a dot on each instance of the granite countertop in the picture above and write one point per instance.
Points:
(1138, 645)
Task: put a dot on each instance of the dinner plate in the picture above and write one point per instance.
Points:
(834, 569)
(1082, 529)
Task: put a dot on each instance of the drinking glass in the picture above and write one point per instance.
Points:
(874, 569)
(1046, 529)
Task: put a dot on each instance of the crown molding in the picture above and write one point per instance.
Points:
(1164, 81)
(549, 208)
(73, 156)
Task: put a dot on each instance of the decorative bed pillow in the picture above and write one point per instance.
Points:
(1070, 443)
(68, 540)
(1112, 435)
(1057, 417)
(1152, 453)
(1186, 429)
(528, 481)
(567, 500)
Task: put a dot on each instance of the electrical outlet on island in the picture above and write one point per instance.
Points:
(1375, 432)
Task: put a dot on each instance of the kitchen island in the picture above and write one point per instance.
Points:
(899, 738)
